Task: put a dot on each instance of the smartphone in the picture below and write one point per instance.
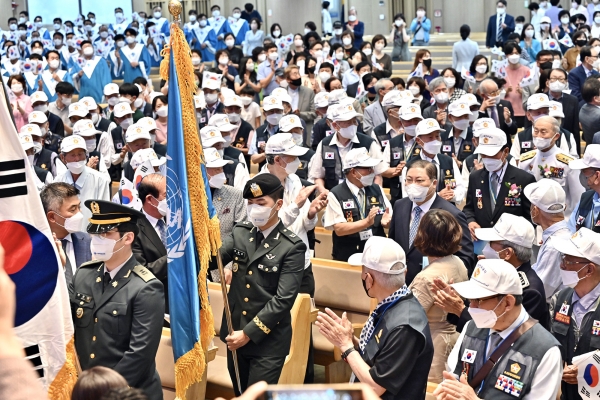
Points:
(342, 391)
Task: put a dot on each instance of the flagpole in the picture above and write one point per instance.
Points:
(10, 111)
(228, 316)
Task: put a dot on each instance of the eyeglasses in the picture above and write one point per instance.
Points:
(564, 263)
(563, 80)
(496, 93)
(477, 302)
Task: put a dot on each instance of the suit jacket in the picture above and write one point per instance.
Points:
(509, 130)
(81, 247)
(373, 116)
(596, 139)
(147, 111)
(150, 251)
(319, 132)
(430, 112)
(490, 37)
(56, 125)
(589, 118)
(306, 107)
(119, 327)
(576, 78)
(479, 188)
(352, 89)
(399, 231)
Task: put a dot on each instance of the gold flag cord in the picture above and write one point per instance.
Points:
(64, 381)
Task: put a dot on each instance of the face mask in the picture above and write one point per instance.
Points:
(581, 42)
(324, 76)
(30, 158)
(348, 132)
(488, 252)
(596, 64)
(195, 61)
(273, 56)
(237, 15)
(570, 278)
(485, 318)
(542, 143)
(126, 123)
(367, 52)
(296, 82)
(95, 118)
(88, 28)
(13, 27)
(192, 18)
(292, 167)
(415, 90)
(22, 20)
(398, 23)
(37, 50)
(217, 181)
(103, 248)
(129, 39)
(163, 111)
(364, 283)
(529, 33)
(162, 207)
(76, 167)
(229, 43)
(90, 144)
(450, 82)
(88, 51)
(223, 60)
(216, 13)
(56, 27)
(202, 23)
(352, 18)
(138, 102)
(157, 14)
(72, 223)
(557, 86)
(57, 42)
(417, 193)
(482, 69)
(37, 147)
(259, 215)
(261, 57)
(432, 147)
(103, 34)
(16, 87)
(246, 101)
(461, 124)
(441, 97)
(474, 115)
(500, 10)
(113, 101)
(120, 43)
(211, 98)
(297, 138)
(42, 108)
(564, 21)
(339, 56)
(254, 27)
(273, 119)
(410, 130)
(298, 43)
(337, 32)
(66, 101)
(492, 164)
(514, 58)
(366, 180)
(347, 41)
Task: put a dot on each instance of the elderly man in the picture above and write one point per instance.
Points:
(493, 107)
(502, 349)
(375, 115)
(236, 173)
(548, 201)
(439, 110)
(394, 352)
(548, 161)
(575, 308)
(391, 126)
(587, 212)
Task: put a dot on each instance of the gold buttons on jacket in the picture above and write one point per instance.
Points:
(246, 299)
(92, 355)
(93, 338)
(249, 272)
(95, 319)
(114, 312)
(248, 286)
(243, 312)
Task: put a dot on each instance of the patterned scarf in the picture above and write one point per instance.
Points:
(369, 327)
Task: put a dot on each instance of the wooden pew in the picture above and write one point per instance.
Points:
(218, 380)
(165, 366)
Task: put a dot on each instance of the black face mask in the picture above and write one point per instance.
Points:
(427, 63)
(364, 283)
(581, 42)
(311, 70)
(546, 65)
(296, 82)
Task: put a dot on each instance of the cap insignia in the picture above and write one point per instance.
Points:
(255, 189)
(95, 208)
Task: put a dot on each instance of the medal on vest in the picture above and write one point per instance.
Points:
(510, 380)
(562, 315)
(349, 216)
(596, 328)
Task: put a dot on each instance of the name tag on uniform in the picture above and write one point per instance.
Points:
(396, 156)
(469, 356)
(329, 156)
(478, 193)
(562, 315)
(526, 145)
(447, 147)
(348, 204)
(365, 235)
(328, 133)
(384, 143)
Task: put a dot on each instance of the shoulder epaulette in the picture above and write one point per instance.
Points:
(91, 264)
(523, 279)
(527, 156)
(564, 158)
(291, 235)
(244, 224)
(143, 273)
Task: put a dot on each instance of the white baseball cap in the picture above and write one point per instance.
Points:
(26, 141)
(591, 158)
(234, 100)
(321, 99)
(84, 128)
(226, 92)
(336, 95)
(122, 109)
(210, 135)
(211, 80)
(410, 111)
(143, 155)
(547, 195)
(584, 243)
(78, 109)
(282, 95)
(199, 101)
(459, 108)
(136, 132)
(545, 20)
(38, 117)
(71, 143)
(38, 96)
(537, 101)
(289, 122)
(556, 109)
(213, 159)
(428, 125)
(31, 129)
(380, 254)
(483, 123)
(393, 98)
(221, 121)
(147, 122)
(359, 158)
(111, 88)
(406, 96)
(491, 141)
(470, 99)
(272, 102)
(490, 277)
(90, 103)
(342, 112)
(509, 227)
(283, 143)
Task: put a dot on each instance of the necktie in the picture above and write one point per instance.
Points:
(494, 341)
(259, 238)
(494, 113)
(105, 281)
(499, 33)
(361, 201)
(68, 266)
(414, 226)
(162, 228)
(495, 183)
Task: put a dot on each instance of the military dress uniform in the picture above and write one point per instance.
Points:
(554, 164)
(118, 319)
(267, 273)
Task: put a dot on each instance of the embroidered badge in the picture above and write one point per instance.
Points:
(526, 145)
(329, 156)
(446, 148)
(396, 156)
(348, 204)
(596, 328)
(469, 356)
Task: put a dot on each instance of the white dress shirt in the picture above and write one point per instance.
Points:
(70, 252)
(114, 272)
(153, 221)
(547, 378)
(295, 95)
(388, 129)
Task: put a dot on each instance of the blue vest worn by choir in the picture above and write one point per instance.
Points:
(95, 76)
(238, 28)
(138, 54)
(203, 35)
(221, 27)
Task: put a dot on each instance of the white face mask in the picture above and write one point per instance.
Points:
(41, 108)
(195, 61)
(450, 82)
(338, 32)
(398, 23)
(347, 41)
(273, 119)
(126, 123)
(348, 132)
(103, 34)
(492, 164)
(564, 20)
(163, 111)
(76, 167)
(410, 130)
(420, 13)
(157, 14)
(202, 23)
(417, 193)
(488, 252)
(88, 51)
(103, 248)
(474, 115)
(291, 167)
(16, 87)
(254, 27)
(501, 10)
(234, 118)
(484, 319)
(529, 33)
(111, 102)
(54, 64)
(298, 43)
(414, 90)
(37, 147)
(276, 34)
(246, 100)
(211, 98)
(481, 69)
(352, 18)
(366, 180)
(57, 27)
(557, 86)
(37, 50)
(261, 57)
(297, 138)
(461, 124)
(72, 223)
(138, 102)
(513, 58)
(273, 56)
(223, 60)
(259, 215)
(129, 39)
(367, 52)
(237, 15)
(306, 30)
(542, 143)
(284, 84)
(441, 97)
(192, 18)
(432, 147)
(229, 42)
(90, 144)
(95, 118)
(162, 207)
(216, 13)
(217, 181)
(570, 278)
(324, 76)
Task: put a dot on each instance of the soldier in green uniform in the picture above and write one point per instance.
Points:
(117, 305)
(267, 269)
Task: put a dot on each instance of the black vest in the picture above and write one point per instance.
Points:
(241, 139)
(302, 170)
(345, 246)
(446, 171)
(466, 146)
(519, 362)
(44, 159)
(332, 161)
(397, 155)
(563, 330)
(52, 142)
(103, 125)
(203, 121)
(232, 152)
(229, 169)
(383, 138)
(526, 139)
(116, 170)
(262, 135)
(586, 203)
(41, 173)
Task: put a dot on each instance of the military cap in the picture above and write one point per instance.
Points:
(107, 215)
(261, 185)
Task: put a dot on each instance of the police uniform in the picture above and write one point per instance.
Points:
(554, 164)
(118, 319)
(267, 273)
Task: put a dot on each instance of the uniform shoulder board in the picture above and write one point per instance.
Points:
(527, 156)
(245, 224)
(524, 280)
(91, 264)
(563, 158)
(143, 273)
(292, 237)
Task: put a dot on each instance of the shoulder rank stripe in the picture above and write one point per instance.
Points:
(528, 155)
(563, 158)
(143, 273)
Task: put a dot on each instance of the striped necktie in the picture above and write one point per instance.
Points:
(414, 226)
(499, 33)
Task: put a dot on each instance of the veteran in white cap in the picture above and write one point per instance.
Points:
(586, 212)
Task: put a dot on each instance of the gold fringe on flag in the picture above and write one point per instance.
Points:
(190, 367)
(62, 385)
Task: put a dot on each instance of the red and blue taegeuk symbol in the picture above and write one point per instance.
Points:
(31, 263)
(127, 196)
(591, 375)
